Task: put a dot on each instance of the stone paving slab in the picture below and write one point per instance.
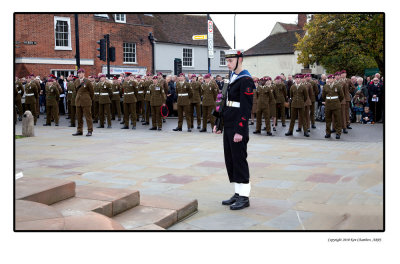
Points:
(75, 206)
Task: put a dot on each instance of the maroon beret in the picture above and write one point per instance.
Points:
(308, 75)
(207, 76)
(50, 80)
(159, 73)
(193, 76)
(128, 73)
(330, 76)
(31, 75)
(155, 77)
(181, 74)
(74, 77)
(278, 77)
(298, 76)
(81, 70)
(148, 74)
(139, 76)
(337, 73)
(52, 76)
(102, 75)
(115, 78)
(343, 71)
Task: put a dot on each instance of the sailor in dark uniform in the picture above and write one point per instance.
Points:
(235, 115)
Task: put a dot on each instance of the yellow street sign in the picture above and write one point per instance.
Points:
(199, 37)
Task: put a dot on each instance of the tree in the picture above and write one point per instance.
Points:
(343, 41)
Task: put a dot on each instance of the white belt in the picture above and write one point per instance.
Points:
(332, 97)
(115, 92)
(19, 91)
(185, 94)
(97, 93)
(104, 94)
(140, 91)
(69, 91)
(233, 104)
(29, 94)
(130, 93)
(148, 91)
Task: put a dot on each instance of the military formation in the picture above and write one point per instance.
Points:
(98, 100)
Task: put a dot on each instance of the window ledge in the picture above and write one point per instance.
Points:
(63, 48)
(129, 63)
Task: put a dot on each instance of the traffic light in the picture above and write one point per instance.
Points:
(102, 49)
(111, 53)
(177, 66)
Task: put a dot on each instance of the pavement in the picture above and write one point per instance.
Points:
(298, 183)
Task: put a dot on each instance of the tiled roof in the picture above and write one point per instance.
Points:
(180, 28)
(290, 27)
(281, 43)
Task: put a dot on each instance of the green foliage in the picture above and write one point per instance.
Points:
(343, 41)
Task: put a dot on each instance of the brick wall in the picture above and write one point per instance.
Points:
(40, 28)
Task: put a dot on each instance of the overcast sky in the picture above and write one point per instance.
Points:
(250, 29)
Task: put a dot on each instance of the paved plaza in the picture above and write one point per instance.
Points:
(298, 183)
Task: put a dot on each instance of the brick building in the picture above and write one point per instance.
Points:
(45, 43)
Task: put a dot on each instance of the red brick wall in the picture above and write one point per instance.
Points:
(40, 28)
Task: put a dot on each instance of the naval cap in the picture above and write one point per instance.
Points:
(234, 53)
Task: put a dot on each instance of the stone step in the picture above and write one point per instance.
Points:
(155, 212)
(43, 190)
(36, 216)
(120, 199)
(77, 206)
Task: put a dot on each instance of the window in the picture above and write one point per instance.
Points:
(64, 73)
(222, 61)
(187, 58)
(101, 15)
(120, 18)
(129, 52)
(62, 32)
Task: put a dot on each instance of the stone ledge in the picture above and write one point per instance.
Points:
(75, 206)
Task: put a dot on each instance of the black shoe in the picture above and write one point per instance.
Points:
(95, 121)
(306, 134)
(203, 130)
(308, 130)
(298, 130)
(289, 134)
(241, 202)
(274, 129)
(125, 127)
(251, 123)
(313, 126)
(269, 134)
(349, 127)
(137, 119)
(333, 131)
(345, 131)
(56, 124)
(122, 122)
(119, 119)
(198, 127)
(327, 135)
(264, 129)
(46, 124)
(20, 119)
(89, 134)
(133, 127)
(109, 126)
(101, 126)
(177, 129)
(337, 136)
(147, 123)
(71, 126)
(78, 134)
(231, 200)
(159, 129)
(113, 118)
(67, 117)
(189, 130)
(143, 120)
(153, 128)
(257, 132)
(284, 125)
(163, 120)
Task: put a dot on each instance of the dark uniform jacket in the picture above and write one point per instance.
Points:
(70, 88)
(196, 91)
(96, 91)
(209, 92)
(73, 96)
(239, 90)
(157, 95)
(146, 86)
(31, 88)
(280, 90)
(140, 91)
(85, 92)
(329, 90)
(116, 90)
(263, 97)
(184, 93)
(52, 94)
(298, 94)
(309, 92)
(130, 92)
(20, 90)
(314, 91)
(105, 93)
(272, 99)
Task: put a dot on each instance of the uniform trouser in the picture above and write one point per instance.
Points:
(198, 113)
(156, 116)
(347, 113)
(73, 113)
(260, 112)
(333, 115)
(84, 111)
(130, 110)
(139, 108)
(32, 108)
(207, 116)
(96, 111)
(104, 109)
(343, 117)
(52, 111)
(19, 108)
(115, 105)
(312, 113)
(69, 108)
(236, 157)
(293, 114)
(181, 109)
(147, 106)
(307, 110)
(280, 108)
(37, 107)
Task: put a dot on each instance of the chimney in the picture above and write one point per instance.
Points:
(301, 20)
